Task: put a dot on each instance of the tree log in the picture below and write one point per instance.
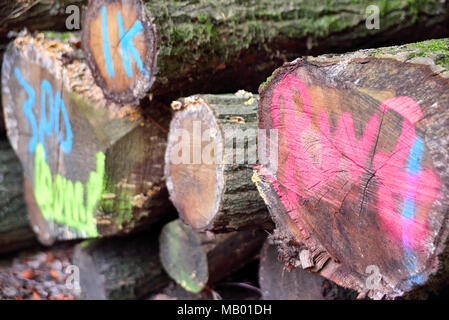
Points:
(208, 179)
(278, 283)
(89, 170)
(15, 229)
(362, 180)
(206, 46)
(119, 268)
(35, 15)
(195, 260)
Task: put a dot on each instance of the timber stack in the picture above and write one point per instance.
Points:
(142, 136)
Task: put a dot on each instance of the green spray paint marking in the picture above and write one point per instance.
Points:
(63, 201)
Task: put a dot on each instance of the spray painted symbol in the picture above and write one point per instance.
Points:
(126, 45)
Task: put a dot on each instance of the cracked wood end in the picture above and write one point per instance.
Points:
(362, 177)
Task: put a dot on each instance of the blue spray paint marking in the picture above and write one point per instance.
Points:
(408, 212)
(128, 47)
(46, 126)
(106, 47)
(28, 108)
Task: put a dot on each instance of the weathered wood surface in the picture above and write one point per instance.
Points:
(211, 146)
(15, 228)
(89, 170)
(196, 260)
(278, 283)
(15, 15)
(362, 179)
(120, 268)
(206, 46)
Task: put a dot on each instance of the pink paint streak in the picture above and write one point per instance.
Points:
(344, 152)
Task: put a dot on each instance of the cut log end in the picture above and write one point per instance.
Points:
(120, 43)
(207, 163)
(195, 260)
(195, 187)
(91, 168)
(361, 163)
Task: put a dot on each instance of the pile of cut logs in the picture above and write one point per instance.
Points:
(335, 176)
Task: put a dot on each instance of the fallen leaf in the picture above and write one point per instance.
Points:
(27, 274)
(54, 274)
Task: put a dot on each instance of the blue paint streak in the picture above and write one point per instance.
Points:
(408, 212)
(414, 167)
(128, 47)
(46, 126)
(411, 265)
(106, 47)
(415, 157)
(28, 109)
(66, 145)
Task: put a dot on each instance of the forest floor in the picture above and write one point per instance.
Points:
(39, 273)
(36, 274)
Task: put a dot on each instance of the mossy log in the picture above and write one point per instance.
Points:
(278, 283)
(195, 260)
(90, 170)
(124, 268)
(211, 146)
(362, 150)
(190, 47)
(15, 228)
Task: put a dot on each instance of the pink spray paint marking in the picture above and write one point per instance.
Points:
(344, 147)
(421, 187)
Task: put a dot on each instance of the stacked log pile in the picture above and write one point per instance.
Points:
(133, 122)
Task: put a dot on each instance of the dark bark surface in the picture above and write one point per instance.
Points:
(120, 268)
(278, 283)
(15, 228)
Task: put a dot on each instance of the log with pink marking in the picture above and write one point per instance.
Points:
(360, 179)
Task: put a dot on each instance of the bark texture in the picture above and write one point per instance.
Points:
(208, 169)
(15, 15)
(361, 163)
(15, 228)
(119, 268)
(278, 283)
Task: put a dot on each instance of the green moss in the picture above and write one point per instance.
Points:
(263, 85)
(443, 61)
(196, 36)
(436, 45)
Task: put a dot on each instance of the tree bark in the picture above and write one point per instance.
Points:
(15, 229)
(361, 163)
(90, 170)
(34, 15)
(119, 268)
(207, 46)
(209, 180)
(195, 260)
(278, 283)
